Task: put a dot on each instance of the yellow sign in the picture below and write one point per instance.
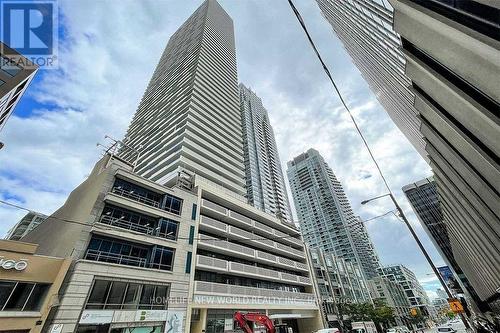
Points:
(413, 312)
(455, 305)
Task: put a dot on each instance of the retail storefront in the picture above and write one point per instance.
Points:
(29, 286)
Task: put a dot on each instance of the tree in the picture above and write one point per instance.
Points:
(379, 313)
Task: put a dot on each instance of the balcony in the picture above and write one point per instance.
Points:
(165, 202)
(223, 246)
(144, 224)
(235, 268)
(232, 232)
(115, 258)
(136, 197)
(204, 292)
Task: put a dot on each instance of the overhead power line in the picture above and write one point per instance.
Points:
(339, 94)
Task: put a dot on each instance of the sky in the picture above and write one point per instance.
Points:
(107, 54)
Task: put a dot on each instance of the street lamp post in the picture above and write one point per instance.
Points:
(420, 245)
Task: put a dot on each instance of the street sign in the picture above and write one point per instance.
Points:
(455, 305)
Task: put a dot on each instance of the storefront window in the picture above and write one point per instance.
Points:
(107, 294)
(22, 296)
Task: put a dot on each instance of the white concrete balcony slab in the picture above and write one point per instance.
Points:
(225, 247)
(223, 294)
(211, 264)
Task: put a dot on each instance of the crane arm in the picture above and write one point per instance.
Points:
(243, 319)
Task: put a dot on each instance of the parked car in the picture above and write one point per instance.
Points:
(398, 329)
(328, 330)
(446, 329)
(364, 327)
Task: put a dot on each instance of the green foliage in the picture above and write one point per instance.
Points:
(378, 313)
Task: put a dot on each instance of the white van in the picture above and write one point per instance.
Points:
(328, 330)
(364, 327)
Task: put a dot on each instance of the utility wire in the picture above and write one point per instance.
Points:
(327, 71)
(186, 238)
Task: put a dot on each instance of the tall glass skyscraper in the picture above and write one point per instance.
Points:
(189, 116)
(325, 214)
(365, 29)
(264, 177)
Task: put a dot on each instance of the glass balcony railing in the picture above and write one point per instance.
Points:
(165, 229)
(136, 197)
(115, 258)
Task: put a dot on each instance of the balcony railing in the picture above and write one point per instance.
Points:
(261, 295)
(153, 231)
(115, 258)
(236, 268)
(136, 197)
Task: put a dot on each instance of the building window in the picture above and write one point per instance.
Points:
(172, 204)
(191, 234)
(162, 258)
(188, 262)
(22, 296)
(108, 294)
(193, 212)
(9, 67)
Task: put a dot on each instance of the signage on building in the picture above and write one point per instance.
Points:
(56, 328)
(175, 320)
(18, 265)
(455, 305)
(151, 315)
(228, 324)
(96, 317)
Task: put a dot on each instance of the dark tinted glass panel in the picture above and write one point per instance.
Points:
(116, 295)
(99, 293)
(19, 296)
(147, 296)
(132, 296)
(37, 297)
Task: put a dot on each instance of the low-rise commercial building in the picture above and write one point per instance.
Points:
(339, 282)
(29, 286)
(393, 295)
(414, 291)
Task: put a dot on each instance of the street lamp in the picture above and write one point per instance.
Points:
(420, 245)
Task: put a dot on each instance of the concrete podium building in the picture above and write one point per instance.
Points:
(161, 235)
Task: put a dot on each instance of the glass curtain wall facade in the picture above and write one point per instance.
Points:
(264, 176)
(365, 29)
(189, 116)
(325, 214)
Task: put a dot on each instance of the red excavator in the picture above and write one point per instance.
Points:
(253, 317)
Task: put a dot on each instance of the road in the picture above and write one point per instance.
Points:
(458, 326)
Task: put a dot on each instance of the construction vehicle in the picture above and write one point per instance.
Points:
(243, 320)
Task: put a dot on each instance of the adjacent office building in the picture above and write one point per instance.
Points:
(339, 282)
(264, 177)
(414, 291)
(458, 99)
(16, 73)
(29, 286)
(325, 214)
(29, 222)
(424, 199)
(365, 29)
(434, 66)
(189, 117)
(391, 294)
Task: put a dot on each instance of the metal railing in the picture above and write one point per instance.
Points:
(124, 224)
(115, 258)
(136, 197)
